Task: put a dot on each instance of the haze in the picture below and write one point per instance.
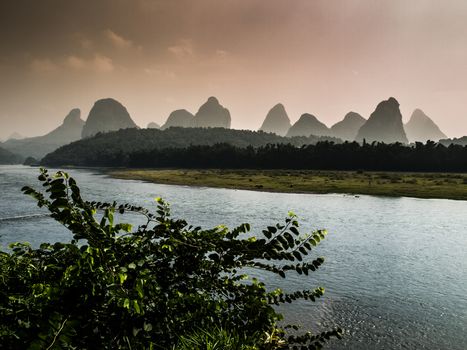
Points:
(322, 57)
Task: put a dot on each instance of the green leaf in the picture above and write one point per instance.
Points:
(136, 306)
(297, 255)
(272, 229)
(290, 239)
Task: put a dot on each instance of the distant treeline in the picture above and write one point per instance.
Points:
(429, 157)
(117, 148)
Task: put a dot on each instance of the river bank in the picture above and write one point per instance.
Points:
(394, 184)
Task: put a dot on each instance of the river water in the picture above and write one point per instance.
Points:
(395, 272)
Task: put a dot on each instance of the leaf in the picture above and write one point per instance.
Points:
(294, 230)
(272, 229)
(136, 306)
(297, 255)
(290, 239)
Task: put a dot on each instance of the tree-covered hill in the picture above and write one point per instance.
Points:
(115, 148)
(7, 157)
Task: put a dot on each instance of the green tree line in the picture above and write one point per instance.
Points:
(117, 147)
(324, 155)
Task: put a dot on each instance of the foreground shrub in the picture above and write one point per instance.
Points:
(154, 287)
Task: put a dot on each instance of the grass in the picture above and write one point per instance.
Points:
(420, 185)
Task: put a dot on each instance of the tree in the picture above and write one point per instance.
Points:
(153, 287)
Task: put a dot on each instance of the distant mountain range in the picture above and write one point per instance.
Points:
(210, 115)
(39, 146)
(384, 125)
(107, 115)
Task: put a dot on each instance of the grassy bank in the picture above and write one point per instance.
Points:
(420, 185)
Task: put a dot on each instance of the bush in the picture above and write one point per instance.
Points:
(154, 287)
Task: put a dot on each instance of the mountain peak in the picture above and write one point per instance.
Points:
(107, 115)
(422, 128)
(73, 116)
(153, 125)
(353, 116)
(212, 99)
(37, 147)
(179, 118)
(308, 125)
(212, 114)
(276, 121)
(384, 125)
(307, 116)
(348, 127)
(392, 101)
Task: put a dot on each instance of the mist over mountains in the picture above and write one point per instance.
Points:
(38, 146)
(108, 115)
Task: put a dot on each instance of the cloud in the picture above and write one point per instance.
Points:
(117, 40)
(98, 63)
(184, 49)
(82, 40)
(75, 62)
(43, 65)
(102, 64)
(221, 53)
(160, 72)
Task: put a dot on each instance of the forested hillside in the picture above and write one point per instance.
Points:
(429, 157)
(7, 157)
(117, 148)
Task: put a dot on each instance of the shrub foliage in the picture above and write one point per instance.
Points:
(154, 286)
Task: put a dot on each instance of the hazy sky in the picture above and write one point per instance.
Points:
(322, 57)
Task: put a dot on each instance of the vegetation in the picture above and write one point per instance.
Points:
(162, 285)
(421, 185)
(178, 148)
(119, 147)
(462, 141)
(7, 157)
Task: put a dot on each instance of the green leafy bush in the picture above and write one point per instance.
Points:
(153, 287)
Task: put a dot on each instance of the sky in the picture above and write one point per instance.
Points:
(324, 57)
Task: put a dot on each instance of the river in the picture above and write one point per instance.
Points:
(395, 272)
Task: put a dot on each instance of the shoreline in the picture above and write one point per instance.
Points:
(388, 184)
